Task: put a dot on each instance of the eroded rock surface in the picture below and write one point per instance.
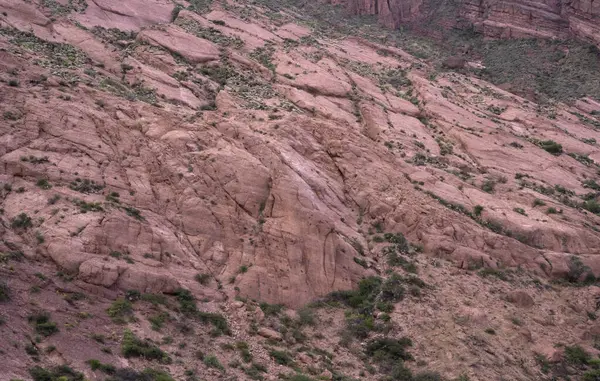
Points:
(498, 19)
(235, 153)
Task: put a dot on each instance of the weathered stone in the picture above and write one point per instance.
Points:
(521, 299)
(269, 333)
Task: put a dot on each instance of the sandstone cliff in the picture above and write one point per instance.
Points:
(176, 174)
(498, 19)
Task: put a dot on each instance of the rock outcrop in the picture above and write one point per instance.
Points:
(213, 143)
(494, 18)
(184, 176)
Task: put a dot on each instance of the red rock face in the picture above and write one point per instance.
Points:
(392, 13)
(498, 19)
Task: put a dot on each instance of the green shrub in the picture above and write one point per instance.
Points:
(157, 320)
(132, 346)
(22, 221)
(306, 316)
(543, 362)
(520, 211)
(175, 12)
(149, 374)
(271, 309)
(477, 210)
(42, 323)
(187, 302)
(428, 376)
(551, 146)
(32, 350)
(187, 305)
(488, 186)
(360, 324)
(242, 346)
(43, 184)
(133, 212)
(591, 206)
(86, 186)
(298, 377)
(255, 371)
(591, 375)
(488, 271)
(577, 356)
(264, 55)
(583, 159)
(282, 358)
(389, 351)
(361, 262)
(85, 207)
(155, 299)
(576, 270)
(398, 240)
(59, 373)
(392, 290)
(538, 202)
(97, 365)
(394, 259)
(203, 279)
(54, 199)
(218, 321)
(385, 306)
(363, 297)
(4, 292)
(119, 310)
(212, 362)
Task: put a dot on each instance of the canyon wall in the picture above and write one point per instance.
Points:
(499, 19)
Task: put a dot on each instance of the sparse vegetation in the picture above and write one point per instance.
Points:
(97, 365)
(86, 186)
(210, 33)
(264, 55)
(551, 146)
(577, 269)
(390, 354)
(271, 309)
(4, 292)
(282, 358)
(22, 221)
(212, 361)
(187, 305)
(133, 212)
(203, 279)
(59, 373)
(488, 186)
(43, 184)
(498, 273)
(575, 355)
(42, 323)
(85, 207)
(120, 310)
(158, 320)
(520, 211)
(132, 346)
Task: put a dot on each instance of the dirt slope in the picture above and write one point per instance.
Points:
(235, 152)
